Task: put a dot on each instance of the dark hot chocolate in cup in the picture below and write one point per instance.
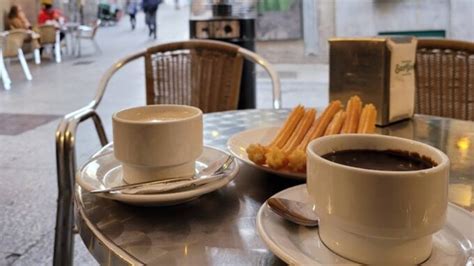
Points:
(379, 198)
(384, 160)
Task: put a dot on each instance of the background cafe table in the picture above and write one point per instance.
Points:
(219, 228)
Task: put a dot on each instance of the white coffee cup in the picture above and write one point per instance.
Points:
(157, 142)
(372, 216)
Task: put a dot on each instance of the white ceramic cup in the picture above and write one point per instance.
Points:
(157, 142)
(372, 216)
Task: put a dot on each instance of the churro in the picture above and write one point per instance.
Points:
(297, 158)
(297, 161)
(256, 152)
(300, 131)
(288, 128)
(353, 109)
(367, 119)
(336, 124)
(320, 125)
(288, 149)
(275, 158)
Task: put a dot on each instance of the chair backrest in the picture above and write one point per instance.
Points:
(205, 74)
(13, 41)
(47, 34)
(445, 78)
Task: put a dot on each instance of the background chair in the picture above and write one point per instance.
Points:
(202, 74)
(50, 38)
(207, 77)
(14, 40)
(88, 33)
(32, 45)
(445, 78)
(3, 70)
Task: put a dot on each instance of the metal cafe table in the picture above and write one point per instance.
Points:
(219, 228)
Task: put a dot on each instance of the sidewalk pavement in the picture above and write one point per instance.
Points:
(28, 185)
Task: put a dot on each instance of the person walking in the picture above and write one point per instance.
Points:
(150, 7)
(132, 9)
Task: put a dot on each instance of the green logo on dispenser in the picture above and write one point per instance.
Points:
(405, 67)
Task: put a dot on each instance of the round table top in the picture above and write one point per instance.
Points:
(219, 228)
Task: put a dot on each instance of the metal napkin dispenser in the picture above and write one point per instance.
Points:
(379, 70)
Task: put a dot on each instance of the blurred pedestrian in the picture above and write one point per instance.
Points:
(132, 9)
(17, 18)
(49, 15)
(150, 7)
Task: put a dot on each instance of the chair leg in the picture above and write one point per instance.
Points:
(57, 48)
(4, 74)
(74, 39)
(68, 41)
(64, 235)
(37, 56)
(24, 65)
(96, 46)
(79, 48)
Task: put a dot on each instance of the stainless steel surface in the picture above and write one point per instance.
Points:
(365, 77)
(219, 228)
(362, 66)
(294, 211)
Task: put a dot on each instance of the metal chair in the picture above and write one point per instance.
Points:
(13, 42)
(204, 74)
(88, 33)
(445, 78)
(207, 76)
(50, 38)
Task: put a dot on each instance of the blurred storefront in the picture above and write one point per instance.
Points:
(279, 20)
(294, 31)
(303, 27)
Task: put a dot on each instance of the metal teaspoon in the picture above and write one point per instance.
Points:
(294, 211)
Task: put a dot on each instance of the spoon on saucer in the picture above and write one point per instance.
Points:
(212, 173)
(294, 211)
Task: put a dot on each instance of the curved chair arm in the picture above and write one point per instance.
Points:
(66, 169)
(66, 166)
(251, 56)
(104, 81)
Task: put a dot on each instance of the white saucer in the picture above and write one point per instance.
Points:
(240, 141)
(104, 171)
(299, 245)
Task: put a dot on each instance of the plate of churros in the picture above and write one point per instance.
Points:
(282, 150)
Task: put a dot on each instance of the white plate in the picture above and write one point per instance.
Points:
(240, 141)
(299, 245)
(104, 171)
